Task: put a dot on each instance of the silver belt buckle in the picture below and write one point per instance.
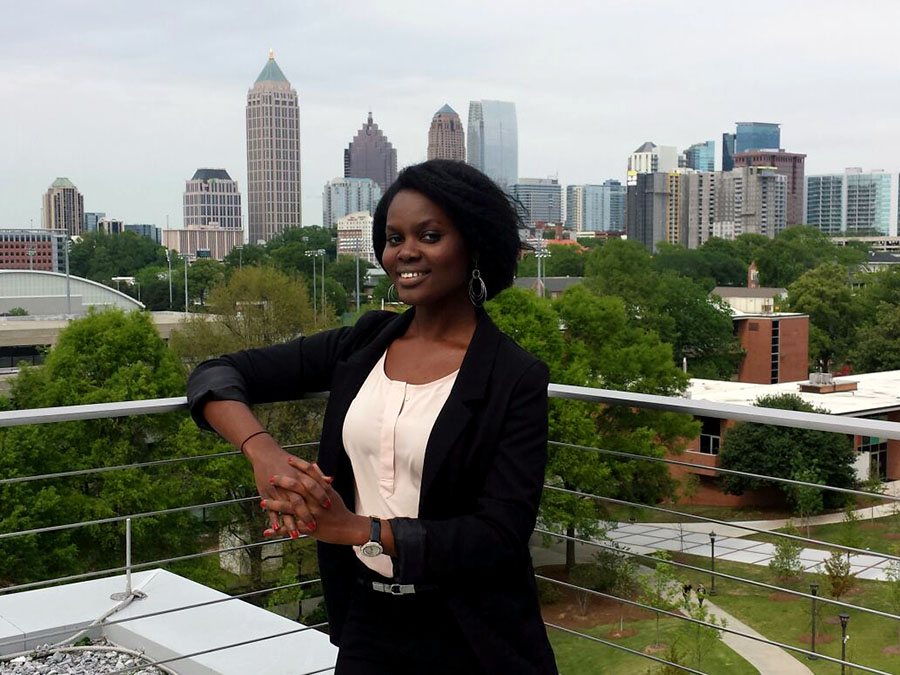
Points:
(394, 589)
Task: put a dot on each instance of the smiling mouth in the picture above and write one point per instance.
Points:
(412, 275)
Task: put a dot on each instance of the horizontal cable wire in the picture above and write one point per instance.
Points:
(242, 643)
(117, 519)
(137, 465)
(726, 523)
(172, 610)
(624, 648)
(140, 566)
(723, 575)
(706, 624)
(734, 472)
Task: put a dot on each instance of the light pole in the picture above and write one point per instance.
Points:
(312, 254)
(31, 254)
(814, 590)
(169, 261)
(240, 250)
(712, 563)
(321, 252)
(185, 256)
(540, 254)
(844, 637)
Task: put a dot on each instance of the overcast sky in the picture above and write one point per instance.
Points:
(127, 99)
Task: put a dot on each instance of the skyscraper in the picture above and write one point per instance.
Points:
(63, 207)
(854, 203)
(788, 164)
(211, 197)
(651, 157)
(757, 136)
(701, 156)
(539, 200)
(371, 155)
(596, 208)
(727, 151)
(343, 196)
(493, 145)
(446, 138)
(273, 155)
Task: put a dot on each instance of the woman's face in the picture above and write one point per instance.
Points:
(424, 254)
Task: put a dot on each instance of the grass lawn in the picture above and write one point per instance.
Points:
(880, 534)
(786, 620)
(578, 656)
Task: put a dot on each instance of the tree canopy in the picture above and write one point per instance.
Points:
(787, 452)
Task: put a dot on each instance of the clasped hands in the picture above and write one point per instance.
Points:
(299, 498)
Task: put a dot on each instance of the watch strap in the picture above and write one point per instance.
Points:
(375, 531)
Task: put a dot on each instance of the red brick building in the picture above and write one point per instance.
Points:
(776, 346)
(31, 250)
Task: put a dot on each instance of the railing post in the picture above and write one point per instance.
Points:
(128, 590)
(844, 637)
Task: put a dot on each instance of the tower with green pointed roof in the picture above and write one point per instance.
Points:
(273, 155)
(63, 207)
(446, 138)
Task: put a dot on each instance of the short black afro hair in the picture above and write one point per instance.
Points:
(477, 207)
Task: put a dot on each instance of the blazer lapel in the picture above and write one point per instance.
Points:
(469, 388)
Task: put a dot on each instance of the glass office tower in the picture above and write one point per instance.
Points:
(757, 136)
(493, 143)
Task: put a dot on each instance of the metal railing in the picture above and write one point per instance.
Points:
(817, 421)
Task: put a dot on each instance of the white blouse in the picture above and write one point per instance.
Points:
(385, 433)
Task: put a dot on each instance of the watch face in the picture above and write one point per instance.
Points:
(371, 549)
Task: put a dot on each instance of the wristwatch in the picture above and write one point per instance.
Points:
(373, 547)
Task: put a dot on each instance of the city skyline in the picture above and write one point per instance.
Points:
(172, 116)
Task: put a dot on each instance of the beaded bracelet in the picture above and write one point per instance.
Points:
(255, 433)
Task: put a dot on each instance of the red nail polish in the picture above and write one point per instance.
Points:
(276, 526)
(272, 479)
(262, 504)
(266, 533)
(290, 460)
(327, 503)
(294, 534)
(311, 527)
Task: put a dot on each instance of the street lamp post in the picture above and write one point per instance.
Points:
(540, 254)
(844, 637)
(712, 563)
(312, 254)
(68, 278)
(321, 252)
(169, 261)
(31, 254)
(185, 285)
(814, 591)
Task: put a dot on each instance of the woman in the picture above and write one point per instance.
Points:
(433, 447)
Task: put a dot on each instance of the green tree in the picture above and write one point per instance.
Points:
(105, 356)
(785, 564)
(708, 265)
(834, 312)
(807, 501)
(876, 346)
(344, 272)
(203, 275)
(599, 347)
(799, 249)
(382, 291)
(699, 638)
(659, 589)
(101, 257)
(249, 254)
(838, 572)
(785, 452)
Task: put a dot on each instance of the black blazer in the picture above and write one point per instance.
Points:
(481, 484)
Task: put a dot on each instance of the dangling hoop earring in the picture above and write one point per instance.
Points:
(477, 289)
(392, 294)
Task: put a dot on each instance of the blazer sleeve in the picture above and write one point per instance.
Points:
(281, 372)
(498, 531)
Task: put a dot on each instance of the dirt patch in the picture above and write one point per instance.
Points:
(832, 620)
(620, 634)
(656, 649)
(781, 596)
(821, 638)
(566, 611)
(891, 535)
(870, 526)
(893, 650)
(852, 591)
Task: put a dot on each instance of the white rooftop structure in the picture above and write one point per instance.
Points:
(875, 393)
(44, 293)
(238, 638)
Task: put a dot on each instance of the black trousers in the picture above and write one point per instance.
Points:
(402, 635)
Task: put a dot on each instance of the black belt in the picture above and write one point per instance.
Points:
(395, 589)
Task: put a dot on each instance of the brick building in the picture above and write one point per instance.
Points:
(789, 164)
(32, 250)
